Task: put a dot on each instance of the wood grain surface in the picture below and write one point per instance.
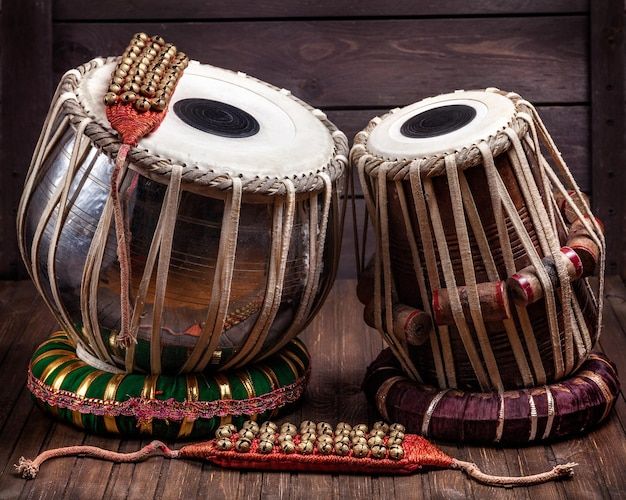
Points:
(78, 10)
(381, 63)
(341, 346)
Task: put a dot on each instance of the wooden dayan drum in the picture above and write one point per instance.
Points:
(233, 209)
(479, 280)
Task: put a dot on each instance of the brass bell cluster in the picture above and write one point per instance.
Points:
(382, 441)
(146, 74)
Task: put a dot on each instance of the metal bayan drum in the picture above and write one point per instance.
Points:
(245, 178)
(479, 278)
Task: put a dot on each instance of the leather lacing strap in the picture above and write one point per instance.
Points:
(317, 242)
(42, 150)
(469, 275)
(171, 202)
(222, 282)
(446, 375)
(383, 284)
(63, 209)
(283, 216)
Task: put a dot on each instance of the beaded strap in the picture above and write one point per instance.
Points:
(308, 449)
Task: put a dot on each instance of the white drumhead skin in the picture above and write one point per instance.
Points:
(493, 113)
(291, 141)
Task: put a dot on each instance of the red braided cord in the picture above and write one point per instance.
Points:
(132, 126)
(418, 453)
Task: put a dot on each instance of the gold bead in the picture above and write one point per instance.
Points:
(391, 441)
(223, 432)
(324, 428)
(127, 60)
(308, 436)
(129, 97)
(397, 427)
(151, 53)
(359, 440)
(137, 79)
(397, 435)
(288, 428)
(135, 50)
(120, 73)
(357, 433)
(139, 43)
(124, 67)
(396, 452)
(342, 439)
(133, 56)
(266, 446)
(378, 451)
(360, 450)
(224, 444)
(252, 426)
(288, 447)
(306, 447)
(247, 434)
(377, 432)
(118, 80)
(342, 428)
(135, 87)
(158, 104)
(141, 36)
(305, 424)
(267, 436)
(324, 448)
(126, 87)
(148, 90)
(267, 426)
(110, 98)
(361, 427)
(243, 445)
(114, 87)
(380, 425)
(143, 64)
(142, 104)
(375, 440)
(312, 429)
(158, 39)
(342, 449)
(285, 437)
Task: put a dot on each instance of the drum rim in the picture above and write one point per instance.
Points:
(150, 165)
(434, 165)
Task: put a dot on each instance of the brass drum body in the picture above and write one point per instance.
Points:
(196, 238)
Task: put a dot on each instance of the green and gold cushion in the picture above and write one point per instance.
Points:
(188, 406)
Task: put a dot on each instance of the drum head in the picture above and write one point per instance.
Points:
(440, 125)
(227, 122)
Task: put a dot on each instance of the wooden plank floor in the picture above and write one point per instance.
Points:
(341, 347)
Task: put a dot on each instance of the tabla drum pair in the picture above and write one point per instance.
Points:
(234, 216)
(479, 282)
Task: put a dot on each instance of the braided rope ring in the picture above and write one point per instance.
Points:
(166, 406)
(513, 418)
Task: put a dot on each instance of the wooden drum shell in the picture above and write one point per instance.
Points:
(408, 290)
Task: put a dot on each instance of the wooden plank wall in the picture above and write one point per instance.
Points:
(356, 60)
